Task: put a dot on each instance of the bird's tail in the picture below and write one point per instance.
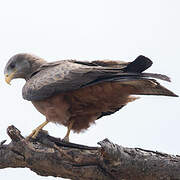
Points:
(132, 78)
(142, 83)
(147, 87)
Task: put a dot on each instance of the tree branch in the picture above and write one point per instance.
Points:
(49, 156)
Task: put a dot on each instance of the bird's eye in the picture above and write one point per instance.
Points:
(12, 65)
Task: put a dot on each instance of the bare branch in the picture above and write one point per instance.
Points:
(49, 156)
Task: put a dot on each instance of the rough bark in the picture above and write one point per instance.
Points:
(49, 156)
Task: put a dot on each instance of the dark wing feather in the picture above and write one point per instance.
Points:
(68, 75)
(62, 77)
(140, 64)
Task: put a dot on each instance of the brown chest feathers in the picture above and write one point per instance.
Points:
(84, 105)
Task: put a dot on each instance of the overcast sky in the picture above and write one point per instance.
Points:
(91, 30)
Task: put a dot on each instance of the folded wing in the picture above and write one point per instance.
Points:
(69, 75)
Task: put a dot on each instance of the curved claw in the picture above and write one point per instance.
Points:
(66, 139)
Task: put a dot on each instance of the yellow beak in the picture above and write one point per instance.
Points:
(9, 77)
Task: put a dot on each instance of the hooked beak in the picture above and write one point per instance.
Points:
(9, 77)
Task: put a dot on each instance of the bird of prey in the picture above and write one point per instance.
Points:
(76, 93)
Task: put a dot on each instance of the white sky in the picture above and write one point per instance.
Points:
(91, 30)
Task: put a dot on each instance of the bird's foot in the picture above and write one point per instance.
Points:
(66, 139)
(35, 132)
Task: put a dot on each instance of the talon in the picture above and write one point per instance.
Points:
(66, 139)
(34, 134)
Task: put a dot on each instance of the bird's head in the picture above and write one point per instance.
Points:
(21, 66)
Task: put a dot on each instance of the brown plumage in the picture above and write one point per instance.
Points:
(84, 105)
(76, 93)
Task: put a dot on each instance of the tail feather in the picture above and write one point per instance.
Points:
(148, 87)
(156, 76)
(133, 78)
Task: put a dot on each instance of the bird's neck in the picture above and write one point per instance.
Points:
(35, 65)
